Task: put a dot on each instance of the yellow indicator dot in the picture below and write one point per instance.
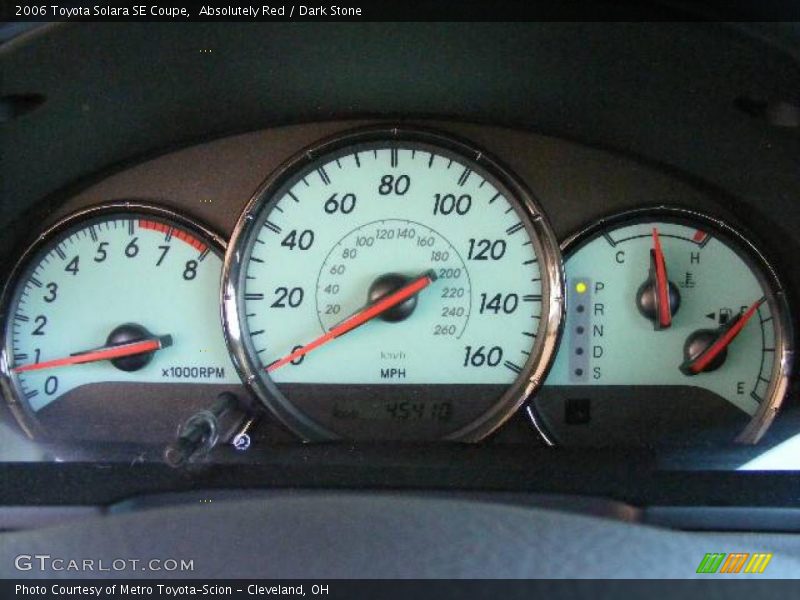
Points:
(580, 287)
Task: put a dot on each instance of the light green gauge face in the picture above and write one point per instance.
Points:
(344, 235)
(115, 298)
(673, 334)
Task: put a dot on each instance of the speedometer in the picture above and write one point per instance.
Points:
(392, 284)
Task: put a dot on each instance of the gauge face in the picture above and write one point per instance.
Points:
(392, 285)
(676, 332)
(114, 304)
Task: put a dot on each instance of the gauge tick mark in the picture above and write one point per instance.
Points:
(272, 226)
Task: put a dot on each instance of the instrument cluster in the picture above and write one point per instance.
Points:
(394, 283)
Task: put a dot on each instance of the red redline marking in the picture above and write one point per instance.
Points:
(178, 233)
(699, 236)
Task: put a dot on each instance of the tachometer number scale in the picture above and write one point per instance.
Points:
(114, 296)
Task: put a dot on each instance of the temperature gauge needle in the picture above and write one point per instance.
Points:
(662, 283)
(657, 299)
(110, 352)
(719, 344)
(365, 314)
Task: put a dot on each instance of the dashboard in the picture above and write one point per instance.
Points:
(454, 282)
(569, 272)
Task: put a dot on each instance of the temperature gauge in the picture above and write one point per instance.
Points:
(677, 331)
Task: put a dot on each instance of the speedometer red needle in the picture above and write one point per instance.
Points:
(104, 353)
(662, 283)
(367, 313)
(726, 337)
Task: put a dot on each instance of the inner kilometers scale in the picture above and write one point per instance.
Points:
(392, 285)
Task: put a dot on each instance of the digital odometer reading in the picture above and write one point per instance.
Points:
(388, 289)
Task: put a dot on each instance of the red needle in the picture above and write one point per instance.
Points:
(367, 313)
(662, 283)
(105, 353)
(709, 354)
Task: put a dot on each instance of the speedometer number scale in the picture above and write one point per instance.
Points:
(392, 288)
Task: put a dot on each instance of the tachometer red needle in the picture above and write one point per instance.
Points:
(367, 313)
(105, 353)
(662, 283)
(726, 337)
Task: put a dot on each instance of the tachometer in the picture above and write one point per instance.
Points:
(392, 284)
(111, 322)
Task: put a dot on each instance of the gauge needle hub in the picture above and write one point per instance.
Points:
(109, 352)
(703, 361)
(367, 313)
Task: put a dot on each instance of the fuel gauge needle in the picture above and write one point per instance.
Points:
(103, 353)
(363, 315)
(718, 345)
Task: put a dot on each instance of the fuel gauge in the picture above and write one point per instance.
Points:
(677, 332)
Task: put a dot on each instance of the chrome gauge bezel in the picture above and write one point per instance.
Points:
(19, 407)
(546, 246)
(764, 271)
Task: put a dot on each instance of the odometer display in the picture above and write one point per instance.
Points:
(392, 285)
